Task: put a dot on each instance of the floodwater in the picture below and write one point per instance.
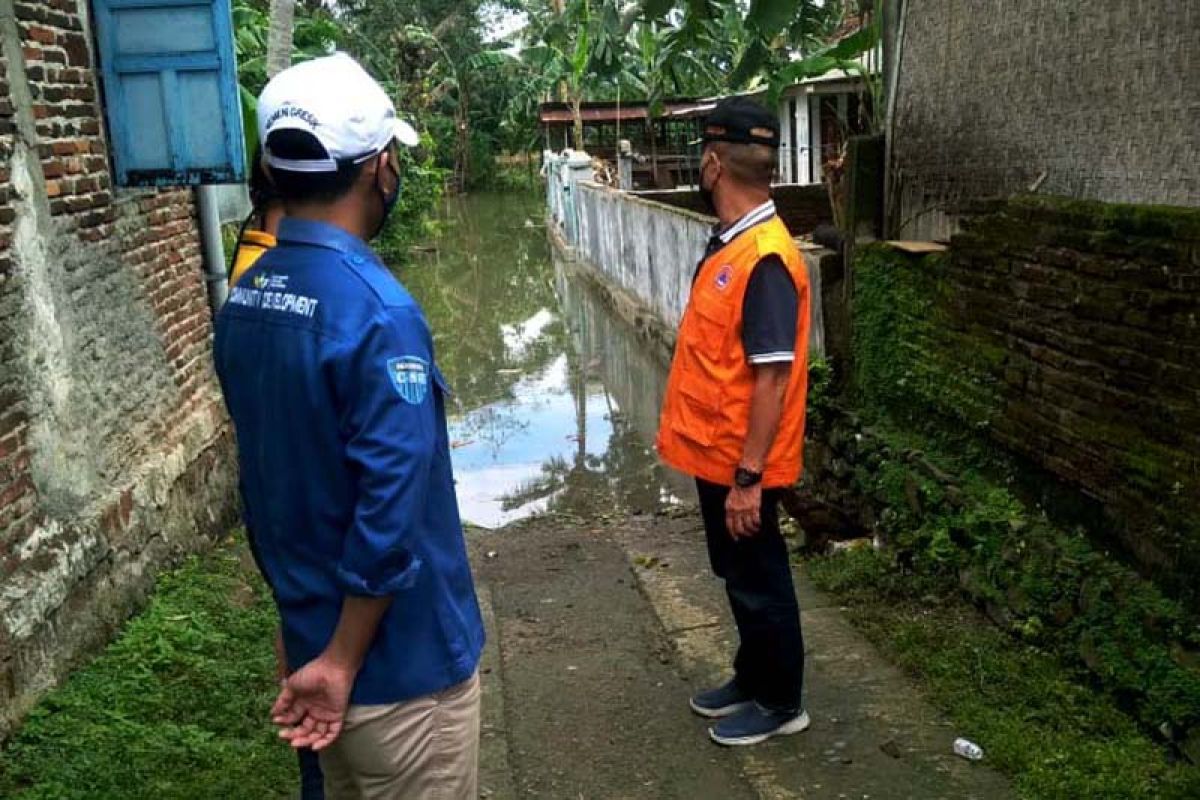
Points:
(555, 401)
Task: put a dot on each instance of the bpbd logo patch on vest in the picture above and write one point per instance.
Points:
(724, 277)
(410, 376)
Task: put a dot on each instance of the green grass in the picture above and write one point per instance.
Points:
(174, 708)
(1037, 718)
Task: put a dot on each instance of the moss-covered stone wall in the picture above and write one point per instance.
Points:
(1062, 336)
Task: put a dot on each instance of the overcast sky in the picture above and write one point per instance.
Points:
(502, 22)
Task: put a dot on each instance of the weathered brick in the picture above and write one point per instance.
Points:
(76, 46)
(39, 33)
(1082, 357)
(123, 263)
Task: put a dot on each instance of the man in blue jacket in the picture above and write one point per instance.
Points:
(328, 370)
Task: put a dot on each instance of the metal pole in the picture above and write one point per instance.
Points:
(212, 247)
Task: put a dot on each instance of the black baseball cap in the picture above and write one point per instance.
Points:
(742, 121)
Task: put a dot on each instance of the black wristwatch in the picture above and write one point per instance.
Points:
(745, 478)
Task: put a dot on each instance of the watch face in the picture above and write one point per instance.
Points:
(745, 478)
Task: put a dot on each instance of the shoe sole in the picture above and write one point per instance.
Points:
(718, 713)
(796, 725)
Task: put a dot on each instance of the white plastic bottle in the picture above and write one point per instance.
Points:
(968, 749)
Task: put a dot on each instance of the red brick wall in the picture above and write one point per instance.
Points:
(115, 454)
(153, 232)
(70, 143)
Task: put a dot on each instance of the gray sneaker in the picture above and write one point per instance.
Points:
(757, 724)
(720, 702)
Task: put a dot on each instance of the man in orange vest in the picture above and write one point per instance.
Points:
(733, 417)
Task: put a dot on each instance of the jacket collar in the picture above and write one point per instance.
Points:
(294, 230)
(757, 216)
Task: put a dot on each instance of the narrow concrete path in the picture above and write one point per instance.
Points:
(599, 635)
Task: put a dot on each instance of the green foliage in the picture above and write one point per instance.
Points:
(1045, 585)
(924, 362)
(843, 55)
(908, 361)
(1034, 713)
(434, 57)
(821, 395)
(316, 33)
(777, 29)
(422, 187)
(176, 707)
(599, 49)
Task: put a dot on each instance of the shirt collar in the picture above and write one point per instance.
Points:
(321, 234)
(754, 217)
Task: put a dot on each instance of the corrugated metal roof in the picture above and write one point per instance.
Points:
(624, 113)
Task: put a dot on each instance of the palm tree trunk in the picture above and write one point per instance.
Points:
(279, 36)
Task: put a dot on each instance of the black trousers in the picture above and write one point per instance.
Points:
(312, 782)
(758, 579)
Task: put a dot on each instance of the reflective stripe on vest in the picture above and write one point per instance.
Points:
(706, 410)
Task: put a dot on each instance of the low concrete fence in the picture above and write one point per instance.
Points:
(651, 249)
(802, 208)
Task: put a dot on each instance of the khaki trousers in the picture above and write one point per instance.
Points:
(423, 749)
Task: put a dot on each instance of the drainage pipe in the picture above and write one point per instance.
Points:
(212, 247)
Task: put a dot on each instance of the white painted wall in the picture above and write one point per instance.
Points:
(787, 161)
(803, 141)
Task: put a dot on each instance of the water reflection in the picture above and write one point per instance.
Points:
(556, 401)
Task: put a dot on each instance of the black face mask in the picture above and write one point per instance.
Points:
(706, 196)
(389, 201)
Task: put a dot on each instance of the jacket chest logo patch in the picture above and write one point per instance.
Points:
(410, 377)
(265, 280)
(724, 277)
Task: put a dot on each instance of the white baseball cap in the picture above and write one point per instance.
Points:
(339, 104)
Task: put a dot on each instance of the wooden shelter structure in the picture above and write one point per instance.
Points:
(664, 156)
(816, 117)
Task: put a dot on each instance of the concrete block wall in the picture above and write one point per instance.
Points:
(115, 453)
(647, 248)
(1093, 100)
(802, 208)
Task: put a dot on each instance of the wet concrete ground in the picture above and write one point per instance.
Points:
(598, 635)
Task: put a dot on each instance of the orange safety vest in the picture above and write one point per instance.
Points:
(706, 411)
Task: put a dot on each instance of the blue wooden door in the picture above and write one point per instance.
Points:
(170, 90)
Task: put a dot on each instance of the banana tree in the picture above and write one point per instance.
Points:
(747, 43)
(577, 49)
(668, 64)
(314, 34)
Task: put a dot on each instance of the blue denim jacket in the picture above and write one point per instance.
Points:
(328, 372)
